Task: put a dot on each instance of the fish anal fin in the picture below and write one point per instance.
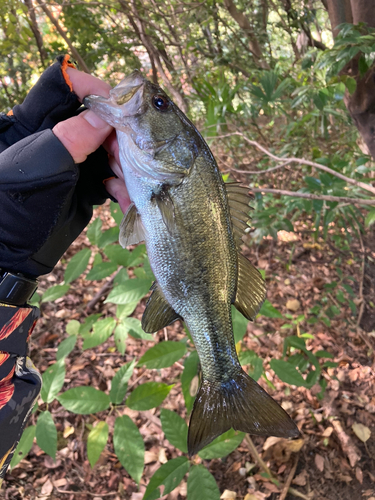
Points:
(131, 228)
(251, 289)
(158, 313)
(239, 403)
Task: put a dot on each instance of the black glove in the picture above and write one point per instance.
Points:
(45, 198)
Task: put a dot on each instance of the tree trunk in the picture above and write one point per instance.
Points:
(361, 104)
(35, 29)
(63, 35)
(244, 23)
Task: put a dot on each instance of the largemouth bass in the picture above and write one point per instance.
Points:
(191, 223)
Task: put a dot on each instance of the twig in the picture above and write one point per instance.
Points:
(362, 306)
(257, 457)
(86, 493)
(289, 479)
(311, 196)
(255, 172)
(104, 289)
(359, 184)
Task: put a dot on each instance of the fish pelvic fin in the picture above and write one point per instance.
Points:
(158, 313)
(239, 403)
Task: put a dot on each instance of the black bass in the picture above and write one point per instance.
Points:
(191, 223)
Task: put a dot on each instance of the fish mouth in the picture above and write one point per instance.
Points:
(124, 101)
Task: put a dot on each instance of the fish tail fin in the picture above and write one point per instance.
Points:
(239, 403)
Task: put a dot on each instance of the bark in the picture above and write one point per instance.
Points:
(134, 19)
(35, 29)
(63, 35)
(361, 104)
(244, 23)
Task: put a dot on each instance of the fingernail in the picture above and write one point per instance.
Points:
(94, 119)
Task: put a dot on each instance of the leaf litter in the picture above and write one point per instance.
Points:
(337, 459)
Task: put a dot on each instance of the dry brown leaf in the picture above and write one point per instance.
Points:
(250, 496)
(150, 457)
(271, 487)
(346, 443)
(271, 441)
(359, 474)
(319, 462)
(68, 431)
(162, 456)
(47, 488)
(228, 495)
(300, 480)
(361, 431)
(293, 305)
(327, 432)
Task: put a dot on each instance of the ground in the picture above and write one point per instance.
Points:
(333, 462)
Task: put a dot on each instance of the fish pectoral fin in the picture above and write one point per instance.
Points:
(251, 289)
(166, 207)
(158, 313)
(239, 403)
(131, 228)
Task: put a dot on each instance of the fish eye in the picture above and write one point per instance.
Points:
(160, 102)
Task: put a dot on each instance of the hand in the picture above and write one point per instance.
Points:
(52, 170)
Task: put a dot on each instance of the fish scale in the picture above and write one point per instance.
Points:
(191, 222)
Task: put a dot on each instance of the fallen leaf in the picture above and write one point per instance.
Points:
(47, 488)
(359, 474)
(68, 431)
(228, 495)
(327, 432)
(162, 456)
(150, 457)
(361, 431)
(319, 462)
(300, 480)
(250, 496)
(293, 305)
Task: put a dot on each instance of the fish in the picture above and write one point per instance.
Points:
(192, 224)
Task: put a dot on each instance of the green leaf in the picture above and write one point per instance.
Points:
(287, 372)
(131, 291)
(120, 382)
(84, 400)
(269, 311)
(77, 265)
(222, 445)
(46, 434)
(116, 212)
(72, 327)
(66, 347)
(101, 271)
(84, 328)
(96, 441)
(117, 255)
(129, 446)
(121, 335)
(24, 446)
(163, 355)
(175, 429)
(370, 218)
(53, 380)
(148, 395)
(239, 325)
(101, 331)
(107, 237)
(201, 484)
(137, 256)
(190, 371)
(170, 475)
(125, 310)
(250, 358)
(94, 231)
(54, 292)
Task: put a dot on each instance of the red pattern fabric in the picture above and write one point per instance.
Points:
(6, 388)
(14, 322)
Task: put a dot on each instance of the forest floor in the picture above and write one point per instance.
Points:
(334, 461)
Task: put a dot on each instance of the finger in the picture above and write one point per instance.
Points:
(117, 189)
(84, 84)
(116, 169)
(111, 145)
(82, 134)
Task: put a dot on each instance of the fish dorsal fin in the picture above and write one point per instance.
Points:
(158, 313)
(131, 228)
(251, 289)
(239, 205)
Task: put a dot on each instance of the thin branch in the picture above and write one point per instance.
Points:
(302, 161)
(289, 479)
(255, 172)
(311, 196)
